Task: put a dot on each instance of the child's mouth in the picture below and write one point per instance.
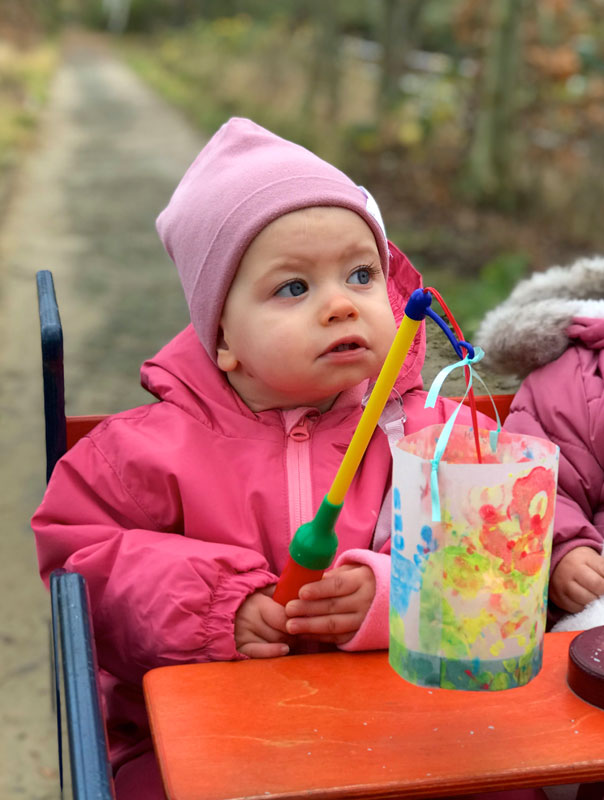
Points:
(343, 347)
(349, 348)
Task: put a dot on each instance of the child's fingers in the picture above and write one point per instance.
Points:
(267, 633)
(561, 595)
(337, 583)
(331, 638)
(268, 623)
(258, 631)
(264, 649)
(591, 579)
(587, 583)
(273, 614)
(259, 620)
(579, 596)
(330, 624)
(578, 579)
(329, 605)
(332, 609)
(591, 560)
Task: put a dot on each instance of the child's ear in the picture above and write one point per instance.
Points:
(225, 358)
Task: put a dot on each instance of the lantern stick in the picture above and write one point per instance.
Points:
(314, 545)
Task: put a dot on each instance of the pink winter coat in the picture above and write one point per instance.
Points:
(564, 401)
(175, 511)
(548, 329)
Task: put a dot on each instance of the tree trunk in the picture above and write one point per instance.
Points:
(397, 33)
(490, 168)
(324, 69)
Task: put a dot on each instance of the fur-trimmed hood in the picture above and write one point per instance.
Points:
(533, 326)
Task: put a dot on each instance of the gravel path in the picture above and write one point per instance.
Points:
(108, 158)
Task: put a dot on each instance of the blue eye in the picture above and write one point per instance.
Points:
(361, 275)
(292, 289)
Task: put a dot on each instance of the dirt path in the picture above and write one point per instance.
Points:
(109, 155)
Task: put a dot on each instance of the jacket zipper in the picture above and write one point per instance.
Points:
(299, 483)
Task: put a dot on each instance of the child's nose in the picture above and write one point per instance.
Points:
(339, 307)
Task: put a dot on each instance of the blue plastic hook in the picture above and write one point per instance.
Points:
(456, 344)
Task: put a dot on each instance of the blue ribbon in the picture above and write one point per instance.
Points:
(443, 439)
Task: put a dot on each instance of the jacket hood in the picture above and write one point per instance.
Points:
(543, 316)
(183, 374)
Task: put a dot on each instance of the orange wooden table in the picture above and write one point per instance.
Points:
(346, 725)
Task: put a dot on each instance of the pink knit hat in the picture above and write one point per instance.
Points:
(244, 178)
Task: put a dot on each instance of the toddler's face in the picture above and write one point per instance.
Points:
(307, 315)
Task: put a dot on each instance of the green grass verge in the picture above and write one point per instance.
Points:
(25, 76)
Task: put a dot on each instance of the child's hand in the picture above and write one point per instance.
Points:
(578, 579)
(333, 609)
(260, 626)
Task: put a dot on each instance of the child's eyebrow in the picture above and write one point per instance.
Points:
(290, 263)
(360, 250)
(286, 263)
(277, 272)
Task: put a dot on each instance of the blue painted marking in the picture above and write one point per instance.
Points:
(407, 573)
(396, 495)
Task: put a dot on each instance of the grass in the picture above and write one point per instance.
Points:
(25, 76)
(470, 298)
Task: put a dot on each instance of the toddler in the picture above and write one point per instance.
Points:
(179, 513)
(550, 331)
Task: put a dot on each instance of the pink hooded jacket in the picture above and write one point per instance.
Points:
(175, 511)
(551, 330)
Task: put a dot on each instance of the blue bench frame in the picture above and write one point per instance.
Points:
(51, 335)
(86, 775)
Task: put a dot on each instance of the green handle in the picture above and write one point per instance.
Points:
(315, 543)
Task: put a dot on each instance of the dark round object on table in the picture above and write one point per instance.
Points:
(586, 666)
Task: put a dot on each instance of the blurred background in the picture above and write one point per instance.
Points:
(479, 128)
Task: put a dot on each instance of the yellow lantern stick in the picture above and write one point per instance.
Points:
(315, 543)
(369, 420)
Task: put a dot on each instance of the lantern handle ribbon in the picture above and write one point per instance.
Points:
(473, 356)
